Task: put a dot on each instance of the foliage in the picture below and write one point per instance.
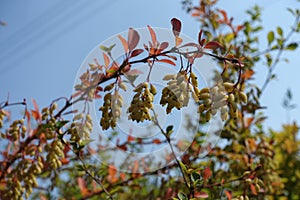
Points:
(46, 153)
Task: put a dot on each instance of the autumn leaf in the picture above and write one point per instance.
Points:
(133, 39)
(153, 35)
(130, 138)
(82, 186)
(202, 195)
(176, 26)
(213, 45)
(167, 61)
(156, 141)
(112, 174)
(136, 52)
(253, 189)
(35, 113)
(207, 173)
(124, 43)
(106, 60)
(228, 194)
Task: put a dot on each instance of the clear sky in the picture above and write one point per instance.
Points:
(45, 42)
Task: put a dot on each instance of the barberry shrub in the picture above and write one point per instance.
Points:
(48, 153)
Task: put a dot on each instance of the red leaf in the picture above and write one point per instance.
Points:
(153, 35)
(36, 115)
(223, 12)
(212, 45)
(136, 52)
(176, 26)
(133, 39)
(124, 43)
(203, 195)
(239, 27)
(163, 46)
(228, 194)
(156, 141)
(167, 61)
(130, 138)
(207, 173)
(112, 170)
(82, 186)
(36, 107)
(253, 189)
(106, 60)
(123, 176)
(112, 70)
(200, 37)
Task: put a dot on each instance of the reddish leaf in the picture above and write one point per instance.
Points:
(123, 176)
(156, 141)
(228, 194)
(163, 46)
(36, 115)
(124, 43)
(153, 35)
(202, 42)
(106, 60)
(203, 195)
(207, 173)
(167, 61)
(112, 70)
(178, 41)
(248, 73)
(112, 170)
(133, 39)
(173, 57)
(239, 27)
(212, 45)
(200, 37)
(253, 189)
(176, 26)
(36, 108)
(42, 197)
(225, 20)
(136, 52)
(130, 138)
(64, 161)
(76, 94)
(82, 186)
(135, 167)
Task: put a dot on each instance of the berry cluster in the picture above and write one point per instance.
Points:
(142, 102)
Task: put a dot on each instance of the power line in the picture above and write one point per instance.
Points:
(55, 34)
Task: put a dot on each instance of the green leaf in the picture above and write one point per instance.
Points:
(60, 124)
(104, 48)
(169, 128)
(271, 37)
(195, 176)
(229, 37)
(269, 59)
(107, 49)
(80, 167)
(182, 196)
(291, 46)
(279, 31)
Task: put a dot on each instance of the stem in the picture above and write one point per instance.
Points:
(273, 66)
(94, 178)
(155, 121)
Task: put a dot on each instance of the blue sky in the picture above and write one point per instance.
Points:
(45, 42)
